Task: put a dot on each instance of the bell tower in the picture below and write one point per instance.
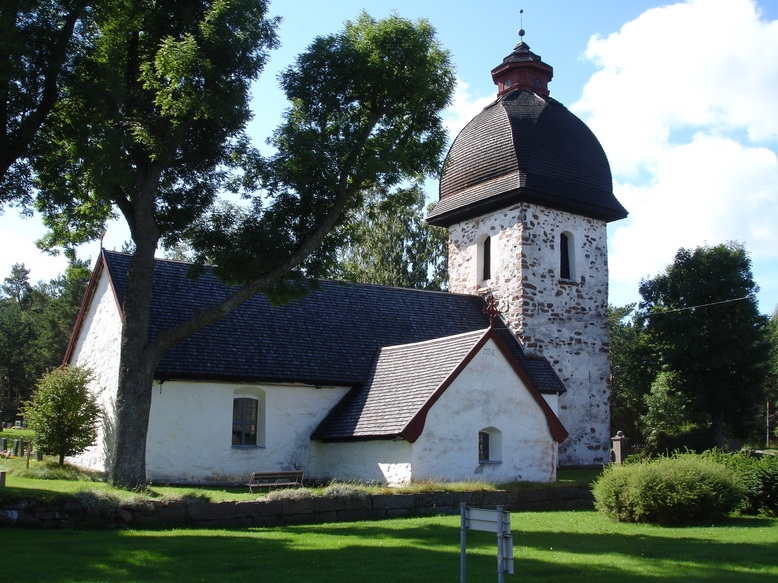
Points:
(526, 194)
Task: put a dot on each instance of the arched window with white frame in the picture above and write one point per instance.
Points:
(248, 419)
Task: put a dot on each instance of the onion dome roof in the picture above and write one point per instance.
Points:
(525, 147)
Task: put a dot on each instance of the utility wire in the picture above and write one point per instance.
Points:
(650, 314)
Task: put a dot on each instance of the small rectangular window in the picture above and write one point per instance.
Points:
(564, 256)
(487, 264)
(244, 421)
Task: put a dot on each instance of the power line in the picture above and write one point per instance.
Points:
(648, 315)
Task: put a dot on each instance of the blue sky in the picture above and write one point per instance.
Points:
(683, 97)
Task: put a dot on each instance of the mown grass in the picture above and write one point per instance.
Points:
(44, 480)
(549, 547)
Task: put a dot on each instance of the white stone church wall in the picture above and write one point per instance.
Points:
(562, 320)
(381, 460)
(487, 394)
(190, 430)
(98, 347)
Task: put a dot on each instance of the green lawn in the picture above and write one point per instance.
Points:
(22, 481)
(549, 547)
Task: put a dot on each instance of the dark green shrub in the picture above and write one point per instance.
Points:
(694, 438)
(759, 476)
(682, 489)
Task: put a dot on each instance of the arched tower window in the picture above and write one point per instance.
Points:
(489, 445)
(248, 419)
(485, 260)
(566, 256)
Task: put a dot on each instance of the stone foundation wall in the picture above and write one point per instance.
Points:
(264, 513)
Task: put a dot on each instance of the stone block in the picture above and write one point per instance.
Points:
(218, 511)
(303, 506)
(395, 513)
(330, 504)
(393, 502)
(530, 496)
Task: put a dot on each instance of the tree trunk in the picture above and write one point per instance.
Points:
(137, 362)
(140, 355)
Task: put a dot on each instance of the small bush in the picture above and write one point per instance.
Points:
(291, 494)
(343, 491)
(682, 489)
(100, 503)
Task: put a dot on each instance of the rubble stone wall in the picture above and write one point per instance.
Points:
(263, 512)
(562, 319)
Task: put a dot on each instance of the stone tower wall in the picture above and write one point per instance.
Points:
(563, 320)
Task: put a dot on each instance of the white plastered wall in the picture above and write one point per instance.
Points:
(190, 430)
(487, 393)
(382, 461)
(98, 347)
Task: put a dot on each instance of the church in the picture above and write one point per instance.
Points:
(504, 377)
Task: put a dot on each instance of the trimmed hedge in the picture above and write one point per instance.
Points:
(677, 490)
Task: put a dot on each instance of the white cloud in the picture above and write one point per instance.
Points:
(464, 107)
(698, 64)
(683, 103)
(19, 247)
(707, 191)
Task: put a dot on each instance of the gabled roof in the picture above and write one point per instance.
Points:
(406, 381)
(329, 337)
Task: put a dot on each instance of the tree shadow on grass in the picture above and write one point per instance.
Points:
(397, 551)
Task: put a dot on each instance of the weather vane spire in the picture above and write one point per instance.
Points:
(521, 25)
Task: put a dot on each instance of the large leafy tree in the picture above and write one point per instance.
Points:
(772, 385)
(35, 325)
(705, 324)
(634, 367)
(153, 126)
(390, 243)
(39, 40)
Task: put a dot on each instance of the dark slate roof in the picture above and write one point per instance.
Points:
(330, 337)
(398, 387)
(525, 147)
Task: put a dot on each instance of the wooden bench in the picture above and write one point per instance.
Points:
(275, 479)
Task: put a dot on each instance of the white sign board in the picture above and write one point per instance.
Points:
(487, 520)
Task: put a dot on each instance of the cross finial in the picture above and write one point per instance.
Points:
(491, 309)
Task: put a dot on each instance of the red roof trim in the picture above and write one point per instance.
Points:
(97, 272)
(415, 426)
(558, 431)
(85, 303)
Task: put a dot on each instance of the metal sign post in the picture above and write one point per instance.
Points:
(497, 521)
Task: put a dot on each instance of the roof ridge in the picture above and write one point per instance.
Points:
(474, 333)
(344, 283)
